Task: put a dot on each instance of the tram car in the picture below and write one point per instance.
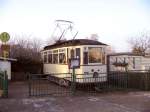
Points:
(92, 56)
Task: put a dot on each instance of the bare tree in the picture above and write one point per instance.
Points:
(25, 47)
(140, 44)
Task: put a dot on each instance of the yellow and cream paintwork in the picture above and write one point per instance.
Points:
(85, 70)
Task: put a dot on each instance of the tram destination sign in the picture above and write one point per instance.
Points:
(74, 63)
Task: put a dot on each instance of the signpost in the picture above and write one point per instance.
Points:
(74, 63)
(4, 37)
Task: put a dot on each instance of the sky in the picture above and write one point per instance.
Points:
(115, 21)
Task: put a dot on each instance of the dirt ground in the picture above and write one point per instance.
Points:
(19, 101)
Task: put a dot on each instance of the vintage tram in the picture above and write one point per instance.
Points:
(91, 53)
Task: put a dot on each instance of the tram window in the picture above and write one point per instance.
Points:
(55, 58)
(42, 56)
(61, 50)
(85, 58)
(67, 54)
(55, 51)
(62, 58)
(45, 57)
(49, 58)
(72, 53)
(103, 59)
(95, 55)
(78, 52)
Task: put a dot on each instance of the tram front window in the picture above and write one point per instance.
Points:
(95, 55)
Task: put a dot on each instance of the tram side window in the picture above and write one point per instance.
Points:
(67, 55)
(78, 52)
(42, 56)
(62, 58)
(72, 53)
(103, 56)
(49, 58)
(55, 58)
(95, 55)
(45, 57)
(103, 59)
(85, 58)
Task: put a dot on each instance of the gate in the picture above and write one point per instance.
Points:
(63, 84)
(3, 84)
(50, 84)
(66, 84)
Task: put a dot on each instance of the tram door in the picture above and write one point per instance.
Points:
(75, 53)
(72, 53)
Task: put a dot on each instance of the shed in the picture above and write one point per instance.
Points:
(128, 61)
(5, 65)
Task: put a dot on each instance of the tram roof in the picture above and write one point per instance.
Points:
(74, 42)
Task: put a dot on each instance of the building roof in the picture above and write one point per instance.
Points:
(125, 53)
(74, 43)
(7, 59)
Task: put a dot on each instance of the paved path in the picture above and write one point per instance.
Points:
(19, 101)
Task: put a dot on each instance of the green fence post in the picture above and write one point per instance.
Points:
(73, 82)
(5, 84)
(146, 81)
(29, 83)
(1, 82)
(127, 74)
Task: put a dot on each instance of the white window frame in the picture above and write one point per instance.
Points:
(88, 55)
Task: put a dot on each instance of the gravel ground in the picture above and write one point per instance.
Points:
(19, 101)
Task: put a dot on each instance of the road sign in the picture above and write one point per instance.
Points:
(4, 37)
(5, 47)
(5, 50)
